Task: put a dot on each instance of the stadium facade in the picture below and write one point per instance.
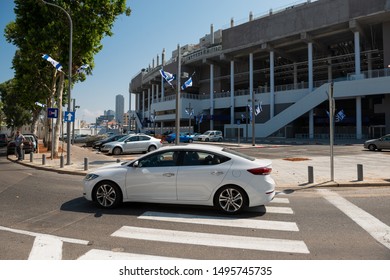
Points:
(283, 64)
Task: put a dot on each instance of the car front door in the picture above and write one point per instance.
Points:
(385, 143)
(200, 174)
(131, 144)
(153, 178)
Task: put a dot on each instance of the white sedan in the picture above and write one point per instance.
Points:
(189, 174)
(132, 143)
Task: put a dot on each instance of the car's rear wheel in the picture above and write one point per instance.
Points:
(151, 148)
(117, 151)
(107, 194)
(231, 199)
(372, 147)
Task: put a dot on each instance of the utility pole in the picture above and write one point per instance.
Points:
(177, 140)
(331, 129)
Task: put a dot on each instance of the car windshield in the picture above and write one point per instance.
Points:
(238, 154)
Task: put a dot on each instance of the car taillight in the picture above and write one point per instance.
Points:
(260, 171)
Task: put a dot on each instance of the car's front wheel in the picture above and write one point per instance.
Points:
(231, 199)
(372, 147)
(117, 151)
(107, 194)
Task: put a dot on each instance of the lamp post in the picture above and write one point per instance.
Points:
(68, 127)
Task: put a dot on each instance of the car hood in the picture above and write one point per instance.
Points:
(372, 141)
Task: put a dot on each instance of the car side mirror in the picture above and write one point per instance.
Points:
(136, 164)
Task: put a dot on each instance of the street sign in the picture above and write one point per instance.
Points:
(52, 113)
(69, 116)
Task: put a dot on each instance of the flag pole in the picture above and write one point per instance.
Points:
(177, 140)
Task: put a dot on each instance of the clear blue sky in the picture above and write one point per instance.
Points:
(152, 26)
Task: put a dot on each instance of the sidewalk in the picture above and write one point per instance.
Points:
(290, 174)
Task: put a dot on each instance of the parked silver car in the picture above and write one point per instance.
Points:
(378, 144)
(131, 144)
(211, 135)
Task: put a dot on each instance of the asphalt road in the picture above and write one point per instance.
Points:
(40, 209)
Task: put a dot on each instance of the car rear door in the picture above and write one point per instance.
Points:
(199, 175)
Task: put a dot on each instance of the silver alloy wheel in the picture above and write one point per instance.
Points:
(372, 147)
(231, 200)
(107, 195)
(117, 151)
(151, 148)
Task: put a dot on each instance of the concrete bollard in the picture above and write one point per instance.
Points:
(311, 174)
(85, 164)
(43, 159)
(31, 157)
(61, 161)
(360, 172)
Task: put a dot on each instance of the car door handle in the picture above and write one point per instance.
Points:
(168, 174)
(216, 173)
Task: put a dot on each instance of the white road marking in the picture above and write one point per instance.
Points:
(376, 228)
(30, 233)
(46, 248)
(95, 254)
(279, 210)
(220, 221)
(214, 240)
(280, 200)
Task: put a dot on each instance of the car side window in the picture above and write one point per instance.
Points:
(164, 159)
(144, 138)
(203, 158)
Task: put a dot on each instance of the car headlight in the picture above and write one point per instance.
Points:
(90, 177)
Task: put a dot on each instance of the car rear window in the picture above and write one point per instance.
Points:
(238, 154)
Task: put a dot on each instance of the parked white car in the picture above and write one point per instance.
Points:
(193, 174)
(133, 143)
(211, 135)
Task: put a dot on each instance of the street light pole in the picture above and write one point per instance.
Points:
(68, 127)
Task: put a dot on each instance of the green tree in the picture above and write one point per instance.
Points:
(42, 29)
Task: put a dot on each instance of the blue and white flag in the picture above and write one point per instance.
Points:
(258, 109)
(82, 68)
(187, 84)
(201, 118)
(190, 113)
(56, 64)
(340, 116)
(167, 76)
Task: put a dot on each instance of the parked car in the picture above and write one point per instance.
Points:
(98, 144)
(132, 143)
(33, 140)
(3, 140)
(184, 137)
(211, 135)
(378, 144)
(185, 174)
(28, 146)
(195, 136)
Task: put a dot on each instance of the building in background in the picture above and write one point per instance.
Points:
(280, 65)
(119, 108)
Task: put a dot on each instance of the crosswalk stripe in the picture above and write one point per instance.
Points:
(280, 200)
(377, 229)
(214, 240)
(279, 210)
(220, 221)
(96, 254)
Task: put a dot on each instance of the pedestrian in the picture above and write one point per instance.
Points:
(19, 139)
